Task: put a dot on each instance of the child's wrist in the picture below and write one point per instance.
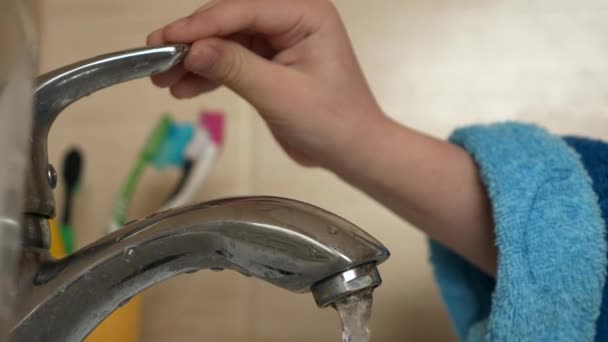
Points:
(367, 149)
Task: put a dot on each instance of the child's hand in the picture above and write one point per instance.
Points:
(291, 59)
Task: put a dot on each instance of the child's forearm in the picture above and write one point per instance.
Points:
(431, 183)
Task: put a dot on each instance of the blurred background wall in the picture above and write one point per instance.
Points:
(433, 64)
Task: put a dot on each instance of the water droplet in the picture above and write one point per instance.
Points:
(246, 274)
(124, 302)
(128, 254)
(224, 252)
(332, 230)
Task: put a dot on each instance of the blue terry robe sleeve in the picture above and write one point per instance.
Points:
(594, 155)
(550, 236)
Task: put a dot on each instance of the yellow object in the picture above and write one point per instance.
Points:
(57, 247)
(123, 325)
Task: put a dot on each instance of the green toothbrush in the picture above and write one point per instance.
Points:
(150, 149)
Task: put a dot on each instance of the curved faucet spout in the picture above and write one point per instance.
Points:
(290, 244)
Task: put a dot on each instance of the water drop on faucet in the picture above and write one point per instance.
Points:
(124, 302)
(128, 254)
(332, 230)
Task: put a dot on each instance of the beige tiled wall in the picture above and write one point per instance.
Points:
(433, 65)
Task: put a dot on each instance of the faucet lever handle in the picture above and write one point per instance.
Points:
(58, 89)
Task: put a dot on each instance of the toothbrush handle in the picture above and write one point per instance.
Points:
(197, 177)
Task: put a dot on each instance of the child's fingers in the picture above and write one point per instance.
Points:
(155, 38)
(263, 83)
(255, 43)
(192, 85)
(168, 78)
(208, 5)
(227, 17)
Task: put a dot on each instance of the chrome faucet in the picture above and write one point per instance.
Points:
(290, 244)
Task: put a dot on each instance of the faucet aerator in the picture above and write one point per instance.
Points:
(339, 286)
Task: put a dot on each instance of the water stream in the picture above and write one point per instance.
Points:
(355, 312)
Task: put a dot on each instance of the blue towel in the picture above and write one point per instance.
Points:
(594, 155)
(550, 238)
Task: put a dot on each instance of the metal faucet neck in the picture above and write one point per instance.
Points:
(58, 89)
